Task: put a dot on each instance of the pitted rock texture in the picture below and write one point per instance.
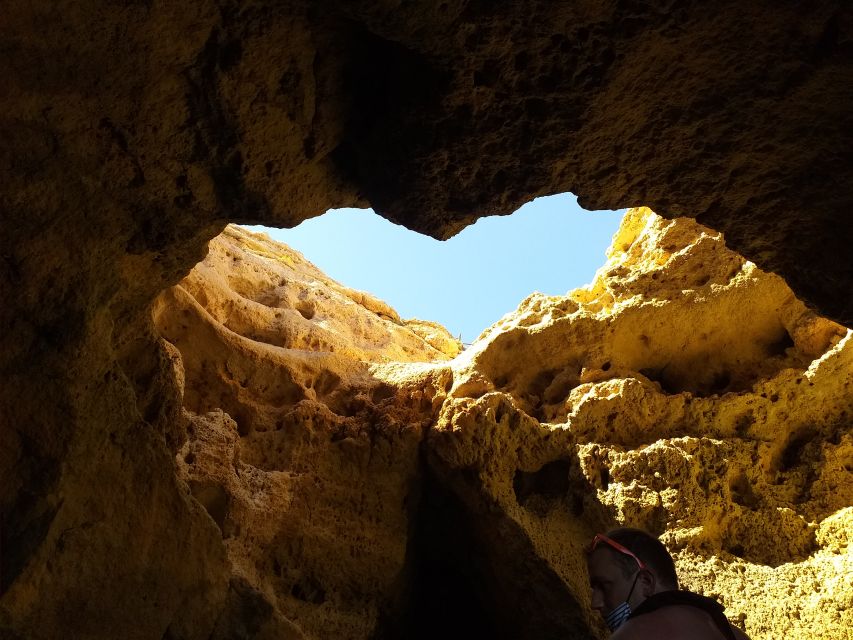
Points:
(131, 133)
(265, 328)
(160, 122)
(683, 391)
(304, 460)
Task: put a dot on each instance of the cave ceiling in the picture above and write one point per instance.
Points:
(132, 133)
(159, 122)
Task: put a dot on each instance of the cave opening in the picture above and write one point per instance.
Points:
(133, 130)
(468, 282)
(298, 379)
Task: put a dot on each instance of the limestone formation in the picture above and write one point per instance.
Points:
(132, 133)
(683, 391)
(161, 122)
(303, 459)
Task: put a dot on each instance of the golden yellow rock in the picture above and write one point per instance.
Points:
(361, 480)
(132, 131)
(302, 458)
(686, 392)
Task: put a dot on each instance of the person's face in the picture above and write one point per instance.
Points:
(610, 586)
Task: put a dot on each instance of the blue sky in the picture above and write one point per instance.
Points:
(468, 282)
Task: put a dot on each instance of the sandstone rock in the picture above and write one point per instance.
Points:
(686, 392)
(133, 132)
(302, 458)
(683, 391)
(337, 475)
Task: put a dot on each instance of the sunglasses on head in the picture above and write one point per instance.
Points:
(600, 537)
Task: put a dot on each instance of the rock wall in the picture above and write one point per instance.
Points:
(686, 392)
(161, 122)
(131, 134)
(306, 462)
(367, 486)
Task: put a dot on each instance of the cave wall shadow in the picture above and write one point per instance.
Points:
(474, 573)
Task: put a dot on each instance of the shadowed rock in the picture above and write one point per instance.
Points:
(131, 134)
(358, 495)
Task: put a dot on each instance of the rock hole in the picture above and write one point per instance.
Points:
(448, 385)
(305, 309)
(462, 573)
(550, 482)
(658, 374)
(382, 392)
(541, 382)
(604, 477)
(792, 454)
(743, 423)
(309, 590)
(244, 422)
(560, 387)
(500, 412)
(326, 382)
(743, 493)
(780, 347)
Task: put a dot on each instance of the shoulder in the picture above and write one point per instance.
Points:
(675, 622)
(638, 629)
(740, 635)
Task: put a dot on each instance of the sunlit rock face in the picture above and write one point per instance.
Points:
(686, 392)
(307, 463)
(362, 481)
(131, 133)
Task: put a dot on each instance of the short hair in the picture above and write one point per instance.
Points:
(648, 549)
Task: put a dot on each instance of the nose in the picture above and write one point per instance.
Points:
(597, 601)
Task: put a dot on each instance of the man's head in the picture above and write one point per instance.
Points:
(627, 566)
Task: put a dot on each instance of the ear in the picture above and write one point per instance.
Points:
(646, 583)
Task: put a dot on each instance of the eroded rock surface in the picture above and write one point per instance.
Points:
(132, 132)
(160, 122)
(683, 391)
(362, 496)
(307, 463)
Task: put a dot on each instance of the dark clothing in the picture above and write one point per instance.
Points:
(690, 599)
